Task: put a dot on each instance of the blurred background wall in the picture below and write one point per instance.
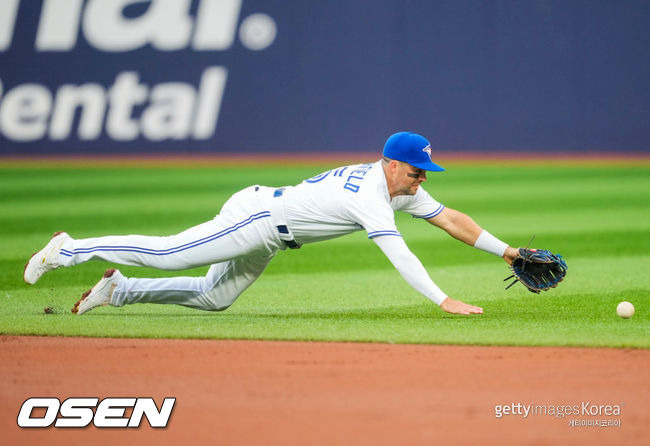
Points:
(250, 76)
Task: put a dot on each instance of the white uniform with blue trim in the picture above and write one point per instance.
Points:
(350, 199)
(250, 229)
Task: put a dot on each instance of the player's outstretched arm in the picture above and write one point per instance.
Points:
(454, 306)
(463, 228)
(414, 273)
(460, 226)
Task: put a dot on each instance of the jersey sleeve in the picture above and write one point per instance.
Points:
(410, 268)
(375, 216)
(420, 205)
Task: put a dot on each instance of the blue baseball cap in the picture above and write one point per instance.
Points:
(411, 148)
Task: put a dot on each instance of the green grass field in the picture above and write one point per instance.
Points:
(598, 217)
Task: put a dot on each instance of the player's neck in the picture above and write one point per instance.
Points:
(390, 182)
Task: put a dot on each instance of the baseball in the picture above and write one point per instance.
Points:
(625, 310)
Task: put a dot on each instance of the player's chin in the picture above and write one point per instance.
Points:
(412, 190)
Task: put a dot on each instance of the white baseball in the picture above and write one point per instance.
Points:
(625, 310)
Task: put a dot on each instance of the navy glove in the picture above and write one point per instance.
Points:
(537, 269)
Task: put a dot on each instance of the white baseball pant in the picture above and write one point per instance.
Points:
(239, 243)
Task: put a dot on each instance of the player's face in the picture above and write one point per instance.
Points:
(410, 178)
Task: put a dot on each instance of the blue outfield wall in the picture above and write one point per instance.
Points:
(243, 76)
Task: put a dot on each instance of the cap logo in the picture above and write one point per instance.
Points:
(428, 150)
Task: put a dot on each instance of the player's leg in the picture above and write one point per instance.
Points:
(208, 243)
(221, 286)
(242, 228)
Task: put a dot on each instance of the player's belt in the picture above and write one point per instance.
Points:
(280, 222)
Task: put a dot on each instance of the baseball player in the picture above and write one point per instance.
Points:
(257, 222)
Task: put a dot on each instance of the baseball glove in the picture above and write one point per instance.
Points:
(537, 269)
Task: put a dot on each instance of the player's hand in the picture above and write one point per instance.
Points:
(457, 307)
(510, 255)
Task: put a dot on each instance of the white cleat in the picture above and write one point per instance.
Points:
(99, 295)
(46, 259)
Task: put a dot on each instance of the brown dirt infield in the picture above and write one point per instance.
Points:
(291, 393)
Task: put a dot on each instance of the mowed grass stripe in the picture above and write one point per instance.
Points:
(17, 183)
(356, 253)
(111, 203)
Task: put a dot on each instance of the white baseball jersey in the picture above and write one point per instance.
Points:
(349, 199)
